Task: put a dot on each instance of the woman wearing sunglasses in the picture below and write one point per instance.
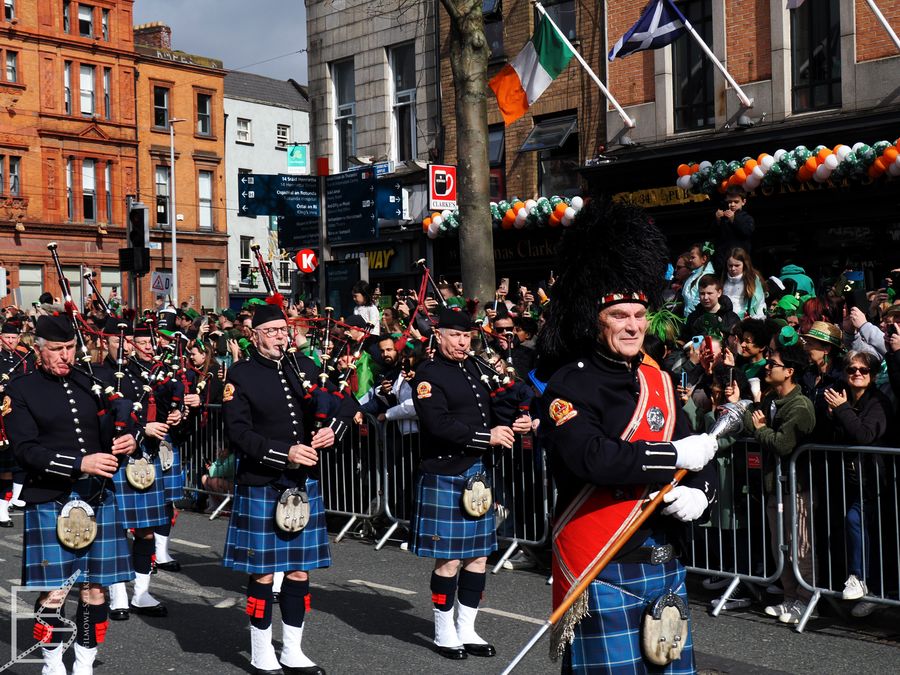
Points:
(861, 413)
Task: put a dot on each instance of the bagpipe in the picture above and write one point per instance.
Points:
(71, 309)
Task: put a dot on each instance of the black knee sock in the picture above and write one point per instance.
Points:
(141, 553)
(6, 488)
(471, 586)
(91, 622)
(443, 591)
(294, 601)
(259, 604)
(53, 632)
(166, 528)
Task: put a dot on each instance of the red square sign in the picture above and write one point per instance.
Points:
(441, 187)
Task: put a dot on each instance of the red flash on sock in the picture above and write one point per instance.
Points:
(42, 633)
(256, 607)
(100, 631)
(8, 496)
(439, 598)
(307, 600)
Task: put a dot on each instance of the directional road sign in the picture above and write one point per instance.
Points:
(389, 199)
(296, 233)
(278, 195)
(350, 213)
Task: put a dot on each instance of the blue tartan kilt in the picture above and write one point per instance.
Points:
(608, 639)
(46, 562)
(140, 508)
(254, 544)
(173, 479)
(440, 528)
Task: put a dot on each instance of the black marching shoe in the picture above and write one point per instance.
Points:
(158, 611)
(6, 523)
(260, 671)
(452, 653)
(481, 650)
(307, 670)
(171, 566)
(119, 615)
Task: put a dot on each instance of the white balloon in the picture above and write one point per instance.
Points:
(894, 168)
(570, 214)
(843, 151)
(446, 213)
(566, 222)
(684, 182)
(436, 221)
(897, 161)
(577, 203)
(857, 146)
(432, 234)
(520, 218)
(831, 162)
(767, 162)
(530, 204)
(822, 173)
(752, 182)
(519, 224)
(758, 172)
(705, 164)
(779, 154)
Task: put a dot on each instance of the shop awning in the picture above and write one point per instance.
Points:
(550, 134)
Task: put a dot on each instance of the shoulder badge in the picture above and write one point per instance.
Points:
(561, 411)
(6, 407)
(228, 393)
(423, 390)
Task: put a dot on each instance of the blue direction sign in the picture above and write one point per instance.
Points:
(278, 195)
(350, 213)
(389, 200)
(297, 233)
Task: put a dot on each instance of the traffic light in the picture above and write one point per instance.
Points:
(5, 282)
(136, 258)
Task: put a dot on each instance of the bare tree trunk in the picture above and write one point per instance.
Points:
(468, 59)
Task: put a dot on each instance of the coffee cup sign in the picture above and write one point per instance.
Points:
(441, 187)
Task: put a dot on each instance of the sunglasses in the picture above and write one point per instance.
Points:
(862, 370)
(772, 363)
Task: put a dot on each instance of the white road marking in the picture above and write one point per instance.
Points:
(381, 587)
(14, 546)
(226, 603)
(513, 615)
(184, 542)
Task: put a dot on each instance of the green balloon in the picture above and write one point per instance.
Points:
(818, 149)
(881, 146)
(504, 206)
(866, 154)
(733, 166)
(775, 170)
(495, 213)
(791, 164)
(554, 200)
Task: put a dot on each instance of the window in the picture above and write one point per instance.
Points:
(85, 21)
(692, 72)
(205, 197)
(73, 274)
(282, 135)
(345, 105)
(107, 93)
(70, 202)
(497, 161)
(12, 66)
(88, 190)
(161, 107)
(9, 7)
(107, 184)
(550, 133)
(162, 195)
(204, 114)
(86, 84)
(283, 273)
(67, 14)
(244, 134)
(816, 55)
(246, 260)
(209, 288)
(104, 24)
(110, 278)
(403, 68)
(493, 27)
(563, 14)
(67, 80)
(556, 141)
(31, 283)
(14, 189)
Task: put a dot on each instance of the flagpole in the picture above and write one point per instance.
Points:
(746, 101)
(883, 22)
(612, 99)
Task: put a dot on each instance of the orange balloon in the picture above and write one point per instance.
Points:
(684, 170)
(760, 158)
(518, 205)
(426, 222)
(804, 174)
(881, 163)
(424, 226)
(435, 215)
(695, 168)
(740, 176)
(837, 147)
(812, 164)
(560, 209)
(875, 171)
(749, 165)
(723, 186)
(554, 220)
(823, 153)
(891, 155)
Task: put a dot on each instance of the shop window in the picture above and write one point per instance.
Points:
(31, 283)
(493, 27)
(816, 55)
(344, 81)
(497, 161)
(403, 69)
(692, 71)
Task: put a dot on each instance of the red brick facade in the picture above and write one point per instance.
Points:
(749, 40)
(872, 40)
(632, 78)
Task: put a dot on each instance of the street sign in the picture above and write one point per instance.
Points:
(278, 195)
(296, 233)
(298, 156)
(307, 261)
(350, 213)
(441, 187)
(161, 282)
(389, 200)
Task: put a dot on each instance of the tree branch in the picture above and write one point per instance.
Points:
(452, 10)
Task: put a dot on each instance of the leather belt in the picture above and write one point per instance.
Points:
(649, 555)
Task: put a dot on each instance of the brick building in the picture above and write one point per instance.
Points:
(68, 140)
(183, 91)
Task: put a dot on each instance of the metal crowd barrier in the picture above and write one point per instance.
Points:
(854, 513)
(400, 465)
(205, 439)
(350, 475)
(734, 542)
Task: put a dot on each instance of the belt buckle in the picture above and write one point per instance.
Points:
(661, 554)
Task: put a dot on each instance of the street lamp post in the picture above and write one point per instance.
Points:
(173, 217)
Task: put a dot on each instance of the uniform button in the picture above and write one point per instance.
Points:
(291, 405)
(81, 440)
(77, 430)
(478, 396)
(75, 419)
(293, 414)
(72, 401)
(288, 396)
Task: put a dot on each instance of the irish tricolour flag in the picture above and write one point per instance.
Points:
(526, 77)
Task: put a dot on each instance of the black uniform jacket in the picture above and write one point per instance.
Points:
(454, 410)
(263, 402)
(52, 424)
(587, 448)
(15, 364)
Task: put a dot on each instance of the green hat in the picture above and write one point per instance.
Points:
(790, 304)
(228, 314)
(456, 301)
(191, 314)
(253, 302)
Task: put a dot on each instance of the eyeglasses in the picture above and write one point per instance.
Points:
(772, 363)
(272, 332)
(862, 370)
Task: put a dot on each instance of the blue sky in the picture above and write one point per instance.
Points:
(247, 35)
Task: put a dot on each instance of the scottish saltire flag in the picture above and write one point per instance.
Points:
(660, 24)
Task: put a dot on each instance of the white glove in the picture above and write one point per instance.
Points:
(685, 503)
(694, 452)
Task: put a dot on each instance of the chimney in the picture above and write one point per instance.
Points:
(154, 34)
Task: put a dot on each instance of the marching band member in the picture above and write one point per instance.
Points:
(15, 360)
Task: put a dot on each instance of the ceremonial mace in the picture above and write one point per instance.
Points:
(729, 422)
